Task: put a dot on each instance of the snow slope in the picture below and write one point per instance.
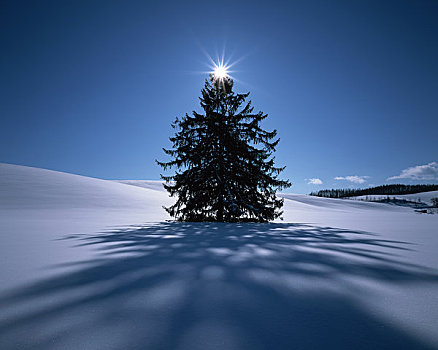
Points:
(150, 184)
(37, 207)
(92, 264)
(32, 188)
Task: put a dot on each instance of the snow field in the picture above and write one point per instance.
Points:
(92, 264)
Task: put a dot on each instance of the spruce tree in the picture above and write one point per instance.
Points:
(224, 165)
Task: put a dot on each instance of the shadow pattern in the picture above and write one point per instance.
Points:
(215, 286)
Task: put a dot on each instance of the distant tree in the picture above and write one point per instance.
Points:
(395, 189)
(223, 159)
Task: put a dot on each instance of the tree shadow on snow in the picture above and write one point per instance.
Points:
(215, 286)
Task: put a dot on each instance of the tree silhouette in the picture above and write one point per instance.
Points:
(223, 158)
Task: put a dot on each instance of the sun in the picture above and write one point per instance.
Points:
(220, 71)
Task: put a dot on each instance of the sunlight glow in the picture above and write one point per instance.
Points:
(221, 68)
(220, 71)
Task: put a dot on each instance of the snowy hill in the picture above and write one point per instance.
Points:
(25, 187)
(424, 197)
(92, 264)
(38, 207)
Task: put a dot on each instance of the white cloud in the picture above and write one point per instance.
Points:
(353, 178)
(314, 181)
(419, 172)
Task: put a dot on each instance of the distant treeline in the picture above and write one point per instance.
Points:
(395, 189)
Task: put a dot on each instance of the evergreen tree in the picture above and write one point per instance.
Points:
(224, 166)
(397, 189)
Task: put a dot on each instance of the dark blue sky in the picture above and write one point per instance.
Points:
(91, 87)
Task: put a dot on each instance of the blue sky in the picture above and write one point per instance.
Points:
(91, 87)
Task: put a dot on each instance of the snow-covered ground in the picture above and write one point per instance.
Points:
(93, 264)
